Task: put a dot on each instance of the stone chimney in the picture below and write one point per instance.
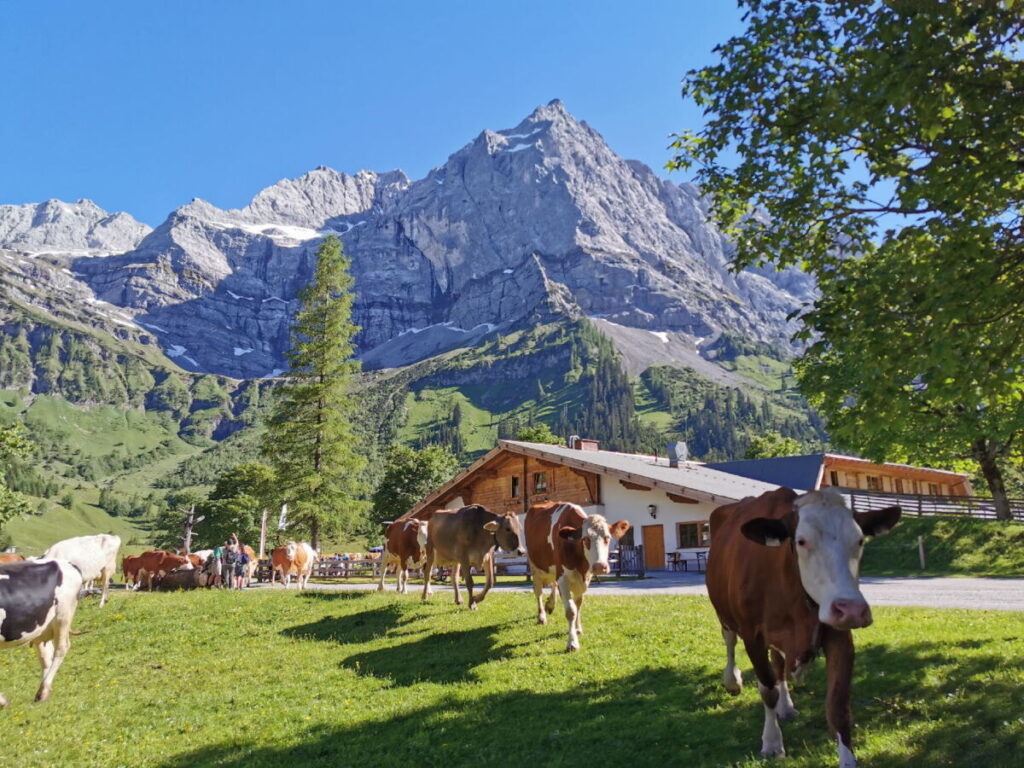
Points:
(677, 452)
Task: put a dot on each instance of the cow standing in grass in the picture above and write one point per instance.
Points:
(565, 547)
(466, 538)
(38, 600)
(296, 558)
(95, 556)
(405, 545)
(782, 575)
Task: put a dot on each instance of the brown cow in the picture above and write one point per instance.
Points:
(130, 566)
(155, 563)
(466, 538)
(782, 575)
(294, 558)
(10, 558)
(565, 547)
(406, 546)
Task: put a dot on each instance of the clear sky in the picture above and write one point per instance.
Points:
(142, 106)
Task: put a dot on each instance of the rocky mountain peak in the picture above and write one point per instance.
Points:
(55, 225)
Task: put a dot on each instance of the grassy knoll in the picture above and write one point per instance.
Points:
(276, 678)
(953, 547)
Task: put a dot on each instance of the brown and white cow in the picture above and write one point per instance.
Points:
(294, 558)
(782, 575)
(466, 538)
(38, 599)
(405, 545)
(565, 547)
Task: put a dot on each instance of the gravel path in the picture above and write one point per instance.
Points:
(968, 592)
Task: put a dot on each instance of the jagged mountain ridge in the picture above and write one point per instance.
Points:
(538, 219)
(58, 226)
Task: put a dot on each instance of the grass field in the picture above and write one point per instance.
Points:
(274, 678)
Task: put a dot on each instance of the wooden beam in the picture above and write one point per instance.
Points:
(485, 474)
(681, 499)
(546, 463)
(593, 482)
(634, 486)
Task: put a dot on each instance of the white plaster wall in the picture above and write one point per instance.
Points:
(621, 503)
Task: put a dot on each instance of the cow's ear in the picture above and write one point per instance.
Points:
(620, 529)
(766, 530)
(878, 522)
(492, 526)
(569, 533)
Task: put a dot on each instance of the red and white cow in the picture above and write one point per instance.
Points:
(782, 575)
(156, 563)
(95, 556)
(406, 546)
(294, 558)
(565, 547)
(38, 599)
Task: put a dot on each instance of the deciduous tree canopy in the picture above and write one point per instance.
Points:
(881, 146)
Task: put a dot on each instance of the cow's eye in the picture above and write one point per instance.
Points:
(861, 542)
(801, 542)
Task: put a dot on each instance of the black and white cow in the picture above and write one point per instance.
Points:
(37, 603)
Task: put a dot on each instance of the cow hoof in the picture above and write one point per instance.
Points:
(572, 647)
(733, 683)
(380, 589)
(42, 696)
(542, 619)
(3, 701)
(786, 715)
(473, 606)
(773, 752)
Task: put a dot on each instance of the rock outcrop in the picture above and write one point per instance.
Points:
(55, 226)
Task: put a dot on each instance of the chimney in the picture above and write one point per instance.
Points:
(574, 441)
(677, 452)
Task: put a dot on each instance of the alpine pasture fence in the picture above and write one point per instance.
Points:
(920, 506)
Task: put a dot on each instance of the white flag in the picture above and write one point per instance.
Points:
(282, 522)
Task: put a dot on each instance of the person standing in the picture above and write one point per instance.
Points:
(228, 561)
(241, 566)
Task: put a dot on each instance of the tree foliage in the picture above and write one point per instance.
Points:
(236, 505)
(14, 444)
(538, 433)
(409, 475)
(309, 439)
(881, 146)
(770, 445)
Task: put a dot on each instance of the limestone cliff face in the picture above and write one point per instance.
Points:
(59, 226)
(540, 219)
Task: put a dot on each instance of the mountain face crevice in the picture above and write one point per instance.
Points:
(521, 223)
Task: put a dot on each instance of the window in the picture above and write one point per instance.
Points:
(833, 478)
(515, 487)
(933, 489)
(540, 482)
(874, 483)
(899, 485)
(693, 535)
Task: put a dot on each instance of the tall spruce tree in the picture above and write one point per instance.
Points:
(309, 438)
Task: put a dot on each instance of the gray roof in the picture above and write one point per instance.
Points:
(790, 471)
(690, 478)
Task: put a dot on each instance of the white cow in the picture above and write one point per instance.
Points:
(94, 556)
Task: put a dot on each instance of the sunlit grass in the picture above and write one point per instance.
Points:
(275, 678)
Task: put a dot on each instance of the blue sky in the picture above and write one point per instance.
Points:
(142, 106)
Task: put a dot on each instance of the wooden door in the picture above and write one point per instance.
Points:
(654, 547)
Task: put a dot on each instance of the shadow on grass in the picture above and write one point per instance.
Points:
(440, 657)
(351, 628)
(318, 594)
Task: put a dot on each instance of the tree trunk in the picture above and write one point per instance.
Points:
(314, 534)
(985, 455)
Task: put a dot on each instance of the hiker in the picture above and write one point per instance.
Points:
(229, 559)
(241, 568)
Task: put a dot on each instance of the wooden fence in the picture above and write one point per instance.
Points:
(951, 506)
(628, 561)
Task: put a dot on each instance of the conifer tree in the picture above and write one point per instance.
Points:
(309, 438)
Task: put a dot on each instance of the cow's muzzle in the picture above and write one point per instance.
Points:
(600, 568)
(849, 614)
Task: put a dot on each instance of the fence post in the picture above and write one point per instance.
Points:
(920, 503)
(920, 550)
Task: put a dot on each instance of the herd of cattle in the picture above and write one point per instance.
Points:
(782, 575)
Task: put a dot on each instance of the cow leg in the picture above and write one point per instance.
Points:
(468, 569)
(383, 573)
(538, 592)
(428, 569)
(61, 631)
(570, 614)
(784, 709)
(732, 678)
(839, 654)
(771, 735)
(553, 597)
(579, 612)
(489, 584)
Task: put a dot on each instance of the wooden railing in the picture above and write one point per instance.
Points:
(918, 505)
(628, 561)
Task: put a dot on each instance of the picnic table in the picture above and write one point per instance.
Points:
(680, 560)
